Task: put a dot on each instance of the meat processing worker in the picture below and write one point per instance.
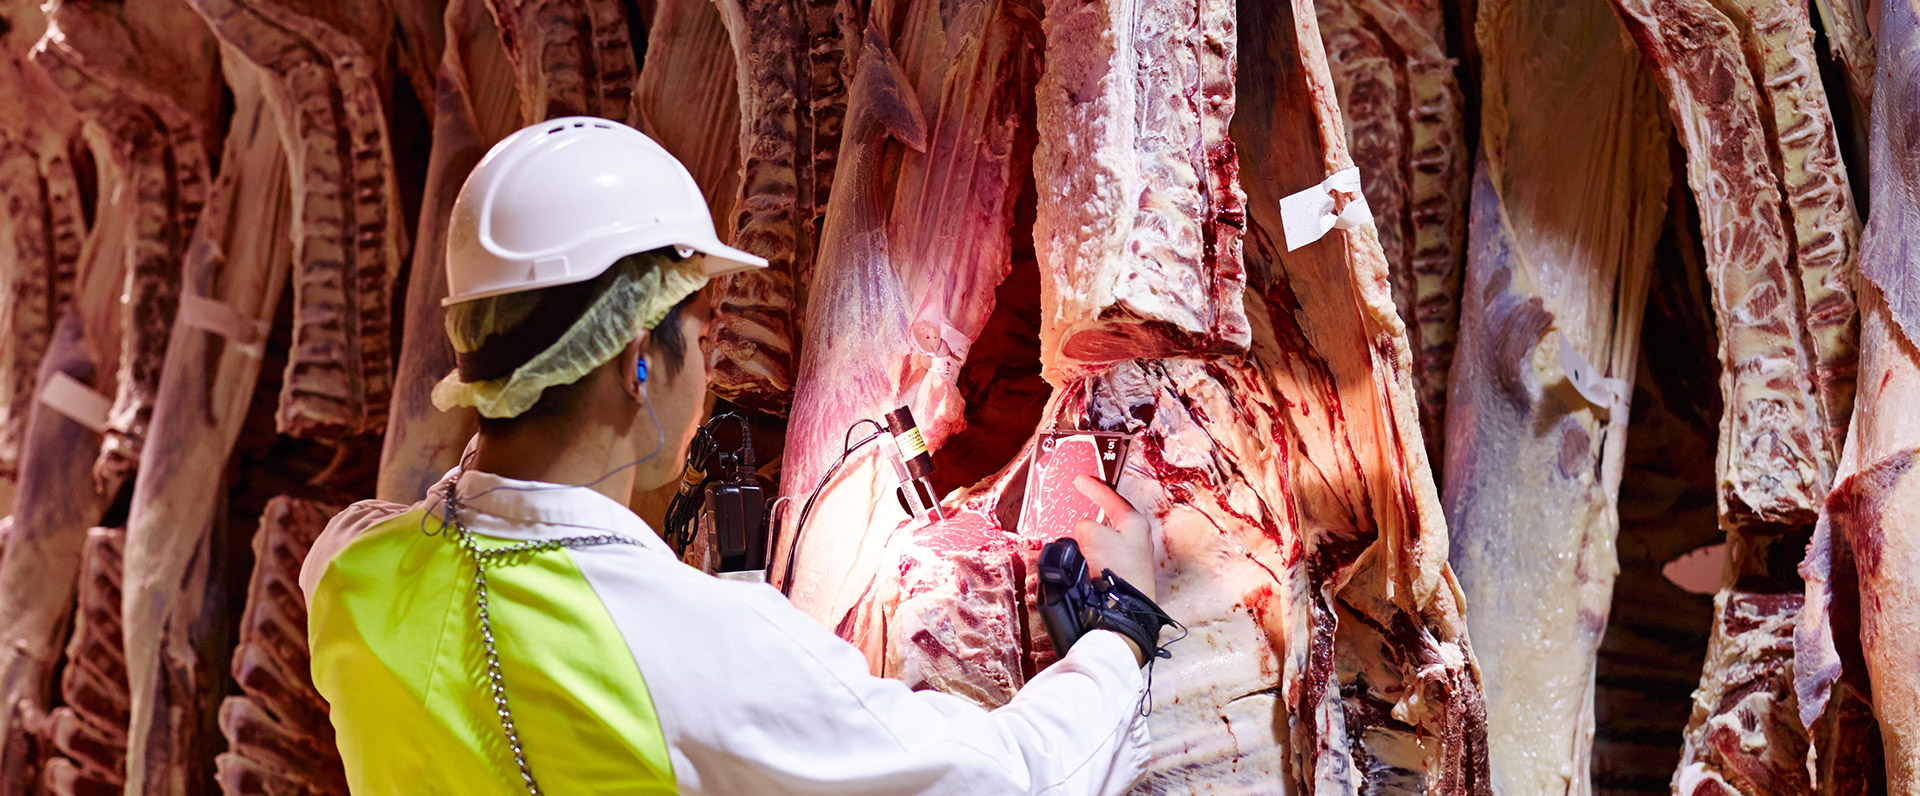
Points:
(521, 630)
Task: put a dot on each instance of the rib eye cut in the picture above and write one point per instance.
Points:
(1878, 495)
(1568, 205)
(794, 61)
(474, 106)
(176, 607)
(1775, 455)
(147, 75)
(278, 734)
(1406, 123)
(89, 732)
(570, 57)
(1140, 257)
(906, 280)
(326, 68)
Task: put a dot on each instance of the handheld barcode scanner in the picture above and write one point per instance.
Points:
(720, 481)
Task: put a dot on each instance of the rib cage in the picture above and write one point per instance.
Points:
(279, 737)
(42, 198)
(158, 146)
(573, 56)
(90, 730)
(347, 231)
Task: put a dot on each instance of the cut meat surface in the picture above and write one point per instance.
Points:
(325, 70)
(1871, 509)
(792, 69)
(1775, 459)
(279, 737)
(207, 383)
(1568, 205)
(1133, 108)
(1744, 736)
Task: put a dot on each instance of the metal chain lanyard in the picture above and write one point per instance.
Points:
(482, 559)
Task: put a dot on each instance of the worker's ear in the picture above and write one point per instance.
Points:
(632, 369)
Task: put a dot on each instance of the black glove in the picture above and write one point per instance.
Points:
(1071, 604)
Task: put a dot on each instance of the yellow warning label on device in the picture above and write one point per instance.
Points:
(911, 443)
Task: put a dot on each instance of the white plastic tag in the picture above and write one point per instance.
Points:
(1603, 392)
(946, 348)
(247, 334)
(65, 394)
(1310, 214)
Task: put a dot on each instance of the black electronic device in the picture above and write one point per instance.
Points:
(720, 481)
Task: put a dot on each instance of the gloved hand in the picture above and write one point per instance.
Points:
(1126, 546)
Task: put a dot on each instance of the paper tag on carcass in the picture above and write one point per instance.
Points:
(944, 345)
(246, 334)
(1309, 215)
(81, 404)
(1053, 505)
(1603, 392)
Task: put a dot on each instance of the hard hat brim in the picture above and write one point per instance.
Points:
(723, 259)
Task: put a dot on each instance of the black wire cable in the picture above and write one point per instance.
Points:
(847, 447)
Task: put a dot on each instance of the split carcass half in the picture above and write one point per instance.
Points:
(1407, 124)
(1568, 204)
(41, 234)
(146, 74)
(175, 603)
(325, 71)
(1860, 569)
(570, 57)
(89, 732)
(278, 734)
(475, 104)
(1781, 236)
(794, 62)
(905, 281)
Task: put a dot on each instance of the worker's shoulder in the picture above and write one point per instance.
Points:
(350, 524)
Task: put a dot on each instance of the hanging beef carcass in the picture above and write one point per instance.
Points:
(794, 61)
(1568, 203)
(1780, 235)
(326, 71)
(475, 104)
(1861, 565)
(1302, 538)
(905, 281)
(43, 227)
(89, 732)
(1406, 122)
(87, 55)
(146, 74)
(570, 57)
(688, 99)
(279, 737)
(176, 605)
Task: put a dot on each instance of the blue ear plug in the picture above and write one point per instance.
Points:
(640, 369)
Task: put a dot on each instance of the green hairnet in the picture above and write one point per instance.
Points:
(633, 295)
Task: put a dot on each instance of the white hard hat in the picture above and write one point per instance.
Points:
(558, 202)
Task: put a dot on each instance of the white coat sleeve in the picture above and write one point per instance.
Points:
(821, 724)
